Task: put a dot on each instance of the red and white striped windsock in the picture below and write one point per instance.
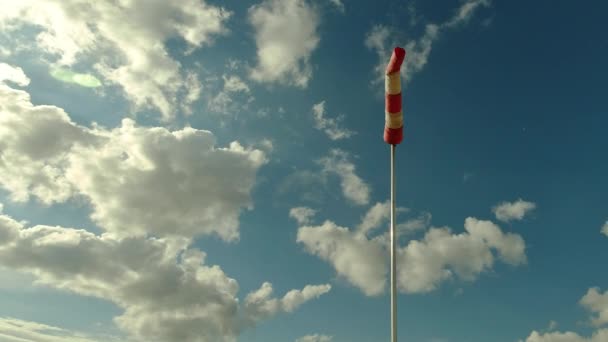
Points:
(393, 128)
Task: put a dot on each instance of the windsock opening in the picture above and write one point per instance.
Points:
(393, 127)
(396, 60)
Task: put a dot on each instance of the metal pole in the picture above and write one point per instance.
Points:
(393, 252)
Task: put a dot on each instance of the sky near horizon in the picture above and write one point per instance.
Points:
(214, 171)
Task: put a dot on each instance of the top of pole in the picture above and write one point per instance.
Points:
(393, 128)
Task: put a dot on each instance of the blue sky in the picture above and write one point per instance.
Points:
(215, 171)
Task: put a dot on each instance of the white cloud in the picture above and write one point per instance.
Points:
(125, 41)
(418, 50)
(423, 264)
(598, 336)
(286, 36)
(596, 303)
(9, 229)
(13, 74)
(150, 180)
(165, 288)
(302, 215)
(353, 187)
(509, 211)
(33, 145)
(138, 180)
(605, 229)
(331, 126)
(315, 338)
(441, 254)
(354, 257)
(16, 330)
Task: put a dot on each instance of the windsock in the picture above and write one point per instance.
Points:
(393, 127)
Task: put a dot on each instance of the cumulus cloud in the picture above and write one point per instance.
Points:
(138, 180)
(604, 229)
(160, 182)
(164, 287)
(360, 258)
(330, 126)
(33, 145)
(338, 163)
(509, 211)
(124, 41)
(596, 303)
(441, 254)
(286, 36)
(418, 50)
(16, 330)
(598, 336)
(315, 338)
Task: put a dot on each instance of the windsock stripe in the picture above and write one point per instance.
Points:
(393, 136)
(393, 83)
(394, 120)
(393, 103)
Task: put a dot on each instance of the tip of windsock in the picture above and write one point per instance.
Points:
(396, 60)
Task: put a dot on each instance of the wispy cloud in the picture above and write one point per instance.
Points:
(16, 330)
(354, 188)
(339, 5)
(604, 229)
(381, 38)
(233, 97)
(331, 126)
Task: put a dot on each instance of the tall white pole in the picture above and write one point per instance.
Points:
(393, 253)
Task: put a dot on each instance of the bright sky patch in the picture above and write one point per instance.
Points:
(69, 76)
